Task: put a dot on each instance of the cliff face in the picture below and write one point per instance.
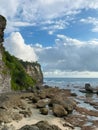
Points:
(5, 77)
(9, 66)
(2, 27)
(34, 70)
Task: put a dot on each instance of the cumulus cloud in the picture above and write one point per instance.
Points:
(69, 55)
(16, 45)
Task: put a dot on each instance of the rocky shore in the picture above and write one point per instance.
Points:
(46, 108)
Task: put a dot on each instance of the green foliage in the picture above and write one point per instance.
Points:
(29, 63)
(20, 80)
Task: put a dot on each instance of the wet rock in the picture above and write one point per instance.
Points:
(88, 88)
(44, 111)
(88, 128)
(59, 111)
(76, 120)
(86, 111)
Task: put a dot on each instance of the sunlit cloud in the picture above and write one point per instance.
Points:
(16, 45)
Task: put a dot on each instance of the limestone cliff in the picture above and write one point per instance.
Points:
(16, 74)
(34, 70)
(5, 77)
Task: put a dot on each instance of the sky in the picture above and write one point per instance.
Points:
(62, 35)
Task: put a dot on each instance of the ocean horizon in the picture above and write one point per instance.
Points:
(67, 81)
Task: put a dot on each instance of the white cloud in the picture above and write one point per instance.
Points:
(70, 74)
(16, 45)
(93, 21)
(69, 55)
(36, 12)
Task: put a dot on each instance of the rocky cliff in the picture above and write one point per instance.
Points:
(5, 77)
(13, 72)
(34, 70)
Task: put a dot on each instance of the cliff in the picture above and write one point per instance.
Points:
(34, 70)
(16, 74)
(5, 77)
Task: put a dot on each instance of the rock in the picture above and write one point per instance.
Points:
(5, 77)
(40, 104)
(42, 95)
(7, 128)
(35, 99)
(44, 111)
(68, 104)
(42, 125)
(88, 88)
(2, 27)
(26, 113)
(28, 127)
(59, 111)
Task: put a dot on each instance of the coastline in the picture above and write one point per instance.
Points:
(25, 104)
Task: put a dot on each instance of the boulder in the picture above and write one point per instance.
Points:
(35, 99)
(59, 111)
(40, 104)
(88, 88)
(68, 104)
(42, 125)
(44, 111)
(28, 127)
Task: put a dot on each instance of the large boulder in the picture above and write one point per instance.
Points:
(68, 104)
(59, 111)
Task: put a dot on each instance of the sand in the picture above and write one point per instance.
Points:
(36, 117)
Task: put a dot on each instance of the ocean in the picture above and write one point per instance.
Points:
(70, 82)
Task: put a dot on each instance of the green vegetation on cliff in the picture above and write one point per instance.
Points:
(20, 80)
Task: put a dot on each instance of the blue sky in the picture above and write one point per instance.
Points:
(61, 34)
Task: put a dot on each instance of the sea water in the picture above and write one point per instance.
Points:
(65, 82)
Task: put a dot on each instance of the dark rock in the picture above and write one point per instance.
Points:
(42, 125)
(88, 88)
(28, 127)
(2, 27)
(73, 94)
(59, 111)
(44, 111)
(35, 99)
